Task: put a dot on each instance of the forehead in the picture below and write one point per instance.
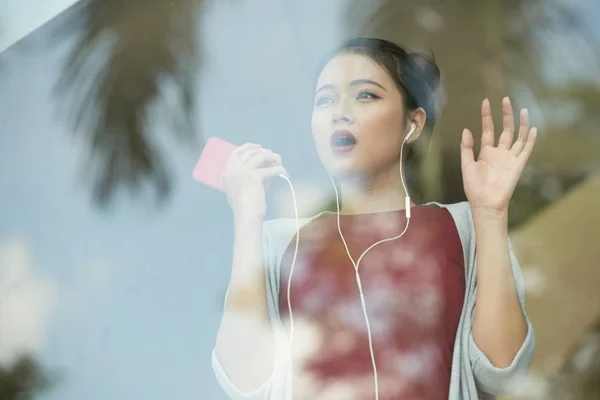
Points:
(344, 68)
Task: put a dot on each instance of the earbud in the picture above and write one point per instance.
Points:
(413, 126)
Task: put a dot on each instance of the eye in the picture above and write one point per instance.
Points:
(322, 100)
(367, 95)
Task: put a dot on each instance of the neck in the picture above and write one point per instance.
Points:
(377, 193)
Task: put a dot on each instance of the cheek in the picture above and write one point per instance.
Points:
(321, 126)
(381, 121)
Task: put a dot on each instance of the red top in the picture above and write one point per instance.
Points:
(414, 290)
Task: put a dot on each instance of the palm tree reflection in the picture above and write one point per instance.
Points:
(146, 45)
(126, 54)
(25, 379)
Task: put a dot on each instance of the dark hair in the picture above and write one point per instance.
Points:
(416, 75)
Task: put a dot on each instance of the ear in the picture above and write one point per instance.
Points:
(419, 117)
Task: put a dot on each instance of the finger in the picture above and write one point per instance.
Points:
(262, 158)
(523, 131)
(487, 124)
(508, 125)
(245, 148)
(528, 148)
(267, 182)
(466, 148)
(272, 171)
(248, 153)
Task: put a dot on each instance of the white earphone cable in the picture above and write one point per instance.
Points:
(291, 273)
(293, 258)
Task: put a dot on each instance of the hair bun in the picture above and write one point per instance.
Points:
(429, 69)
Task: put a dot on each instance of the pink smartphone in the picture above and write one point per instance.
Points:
(212, 162)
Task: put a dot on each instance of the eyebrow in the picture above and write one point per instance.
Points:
(353, 83)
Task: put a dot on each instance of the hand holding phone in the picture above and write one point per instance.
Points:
(241, 172)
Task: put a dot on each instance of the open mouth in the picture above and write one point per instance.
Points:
(342, 141)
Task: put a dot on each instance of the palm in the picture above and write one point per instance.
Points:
(490, 180)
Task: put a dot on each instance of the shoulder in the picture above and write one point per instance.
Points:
(287, 226)
(461, 214)
(278, 233)
(284, 226)
(460, 210)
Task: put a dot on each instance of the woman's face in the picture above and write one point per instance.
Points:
(358, 117)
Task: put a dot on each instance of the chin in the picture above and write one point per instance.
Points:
(345, 169)
(340, 165)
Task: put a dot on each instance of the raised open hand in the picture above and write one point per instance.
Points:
(490, 181)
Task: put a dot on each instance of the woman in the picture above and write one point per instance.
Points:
(423, 331)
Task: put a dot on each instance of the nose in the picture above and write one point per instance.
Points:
(341, 118)
(341, 114)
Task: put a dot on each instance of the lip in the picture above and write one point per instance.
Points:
(343, 133)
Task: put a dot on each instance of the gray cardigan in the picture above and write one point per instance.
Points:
(473, 376)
